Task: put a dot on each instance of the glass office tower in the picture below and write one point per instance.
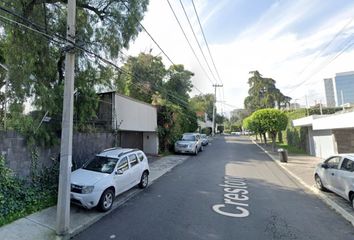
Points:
(344, 85)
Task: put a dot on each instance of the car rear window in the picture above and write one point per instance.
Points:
(140, 156)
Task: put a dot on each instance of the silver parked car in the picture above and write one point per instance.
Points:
(189, 143)
(337, 174)
(205, 140)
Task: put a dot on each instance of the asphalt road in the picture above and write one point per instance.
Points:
(232, 190)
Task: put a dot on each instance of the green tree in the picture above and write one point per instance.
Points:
(178, 84)
(271, 121)
(263, 93)
(203, 103)
(37, 72)
(142, 76)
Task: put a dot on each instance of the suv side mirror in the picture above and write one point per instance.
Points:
(119, 172)
(324, 165)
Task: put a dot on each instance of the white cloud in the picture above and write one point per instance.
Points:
(265, 47)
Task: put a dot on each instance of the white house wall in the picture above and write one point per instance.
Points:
(335, 121)
(324, 143)
(132, 115)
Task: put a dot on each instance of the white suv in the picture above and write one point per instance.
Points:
(110, 173)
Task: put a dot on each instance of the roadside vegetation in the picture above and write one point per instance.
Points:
(263, 119)
(19, 198)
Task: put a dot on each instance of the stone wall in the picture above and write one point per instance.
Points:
(345, 140)
(18, 156)
(86, 145)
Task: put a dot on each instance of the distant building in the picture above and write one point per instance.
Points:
(329, 90)
(295, 105)
(340, 89)
(344, 85)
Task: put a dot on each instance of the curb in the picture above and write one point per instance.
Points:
(332, 204)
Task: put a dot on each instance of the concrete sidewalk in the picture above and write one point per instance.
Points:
(302, 167)
(41, 225)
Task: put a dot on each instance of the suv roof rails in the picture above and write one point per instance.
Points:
(110, 149)
(129, 151)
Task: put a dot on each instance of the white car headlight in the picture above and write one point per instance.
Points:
(191, 145)
(87, 189)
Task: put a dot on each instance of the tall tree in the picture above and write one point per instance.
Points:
(178, 84)
(203, 103)
(36, 63)
(142, 76)
(263, 93)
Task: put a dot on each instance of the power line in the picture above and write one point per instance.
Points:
(142, 26)
(206, 42)
(319, 53)
(151, 37)
(190, 45)
(196, 39)
(73, 43)
(348, 44)
(50, 37)
(182, 102)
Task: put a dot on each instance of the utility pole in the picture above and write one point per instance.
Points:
(307, 106)
(341, 94)
(63, 206)
(214, 107)
(5, 94)
(321, 107)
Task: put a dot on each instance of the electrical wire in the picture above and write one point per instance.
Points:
(189, 44)
(318, 55)
(196, 39)
(49, 37)
(71, 42)
(206, 42)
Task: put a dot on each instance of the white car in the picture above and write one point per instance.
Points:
(337, 174)
(189, 143)
(110, 173)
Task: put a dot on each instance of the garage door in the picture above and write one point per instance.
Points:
(132, 140)
(323, 143)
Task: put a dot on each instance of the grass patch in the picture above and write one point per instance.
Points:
(291, 149)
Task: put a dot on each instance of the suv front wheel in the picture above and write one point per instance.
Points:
(106, 200)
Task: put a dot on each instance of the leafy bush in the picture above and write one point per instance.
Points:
(19, 198)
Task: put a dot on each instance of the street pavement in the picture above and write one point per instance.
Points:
(232, 190)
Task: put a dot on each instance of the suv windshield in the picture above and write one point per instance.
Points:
(188, 138)
(101, 164)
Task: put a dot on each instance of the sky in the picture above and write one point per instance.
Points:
(297, 43)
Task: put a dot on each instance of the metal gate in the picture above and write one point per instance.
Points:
(131, 140)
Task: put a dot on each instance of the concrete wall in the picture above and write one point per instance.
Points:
(151, 143)
(133, 115)
(345, 140)
(18, 156)
(87, 145)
